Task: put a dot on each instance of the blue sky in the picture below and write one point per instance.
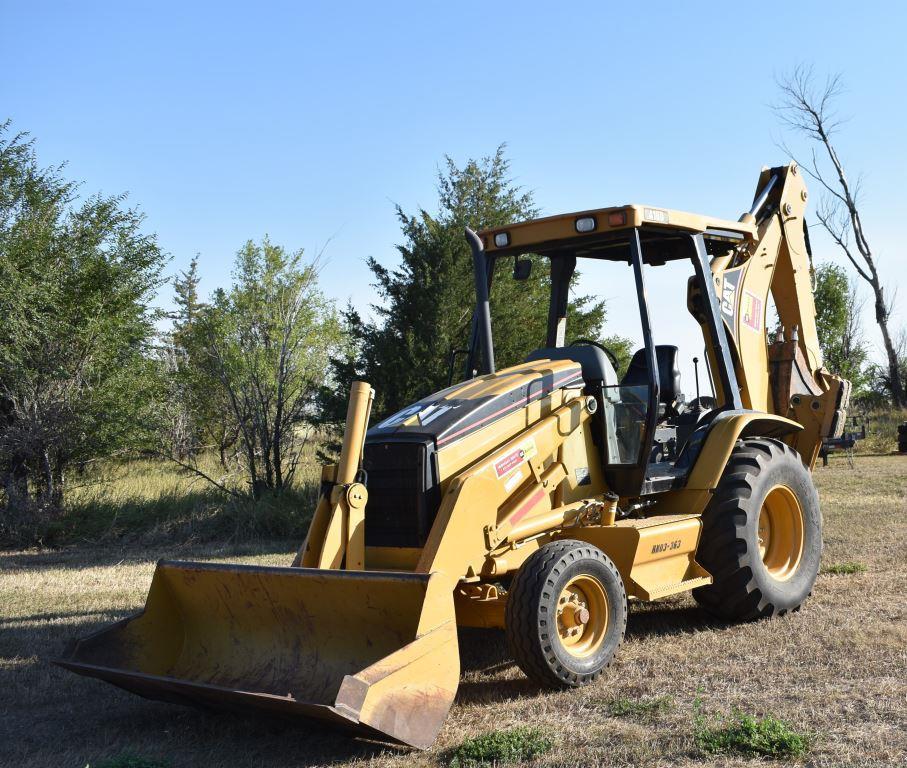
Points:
(309, 121)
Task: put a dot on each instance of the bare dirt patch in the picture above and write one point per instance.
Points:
(837, 670)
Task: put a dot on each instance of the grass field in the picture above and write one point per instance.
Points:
(836, 672)
(150, 502)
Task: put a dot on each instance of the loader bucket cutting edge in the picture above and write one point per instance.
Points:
(375, 652)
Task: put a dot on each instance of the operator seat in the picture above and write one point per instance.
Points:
(668, 374)
(595, 365)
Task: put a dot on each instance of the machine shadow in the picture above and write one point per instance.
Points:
(669, 618)
(119, 721)
(488, 667)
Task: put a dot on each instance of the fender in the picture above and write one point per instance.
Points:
(720, 436)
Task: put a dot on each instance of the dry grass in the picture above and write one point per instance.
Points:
(881, 431)
(837, 670)
(151, 502)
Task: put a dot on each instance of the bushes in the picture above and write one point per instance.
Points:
(881, 430)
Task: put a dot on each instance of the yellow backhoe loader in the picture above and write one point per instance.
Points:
(537, 499)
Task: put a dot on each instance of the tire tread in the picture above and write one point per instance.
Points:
(724, 549)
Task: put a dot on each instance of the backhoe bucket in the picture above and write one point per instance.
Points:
(376, 652)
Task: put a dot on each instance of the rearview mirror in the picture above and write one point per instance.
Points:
(522, 268)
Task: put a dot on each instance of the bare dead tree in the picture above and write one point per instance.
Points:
(808, 109)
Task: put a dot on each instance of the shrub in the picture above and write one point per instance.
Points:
(881, 430)
(499, 747)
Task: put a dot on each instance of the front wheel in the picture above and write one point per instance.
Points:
(762, 534)
(566, 614)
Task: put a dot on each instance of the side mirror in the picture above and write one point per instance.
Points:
(522, 268)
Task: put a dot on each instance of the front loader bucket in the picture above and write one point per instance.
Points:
(376, 652)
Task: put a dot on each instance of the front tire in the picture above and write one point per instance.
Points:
(566, 614)
(762, 534)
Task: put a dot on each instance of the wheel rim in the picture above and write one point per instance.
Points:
(582, 615)
(781, 532)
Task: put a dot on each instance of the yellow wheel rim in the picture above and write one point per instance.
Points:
(582, 616)
(781, 532)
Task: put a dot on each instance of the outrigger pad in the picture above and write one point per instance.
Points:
(376, 652)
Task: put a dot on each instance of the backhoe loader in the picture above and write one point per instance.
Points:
(537, 499)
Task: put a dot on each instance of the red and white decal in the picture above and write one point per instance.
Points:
(514, 458)
(509, 462)
(752, 311)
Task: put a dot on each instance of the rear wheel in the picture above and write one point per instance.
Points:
(762, 534)
(566, 614)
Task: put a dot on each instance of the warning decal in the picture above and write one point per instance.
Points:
(751, 311)
(514, 458)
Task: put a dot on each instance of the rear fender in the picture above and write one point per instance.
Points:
(723, 433)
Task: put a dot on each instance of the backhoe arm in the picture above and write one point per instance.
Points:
(779, 370)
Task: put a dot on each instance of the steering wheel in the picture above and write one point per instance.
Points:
(611, 356)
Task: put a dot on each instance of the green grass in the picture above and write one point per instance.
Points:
(752, 737)
(129, 761)
(500, 747)
(642, 709)
(840, 569)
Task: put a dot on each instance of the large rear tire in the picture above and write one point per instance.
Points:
(762, 534)
(566, 614)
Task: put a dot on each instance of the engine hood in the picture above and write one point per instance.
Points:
(456, 412)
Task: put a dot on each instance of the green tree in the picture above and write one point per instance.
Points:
(262, 348)
(180, 418)
(838, 324)
(76, 282)
(427, 300)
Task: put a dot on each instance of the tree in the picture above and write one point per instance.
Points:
(838, 324)
(428, 299)
(809, 110)
(180, 420)
(76, 282)
(879, 376)
(262, 349)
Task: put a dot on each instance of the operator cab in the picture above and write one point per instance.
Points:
(647, 430)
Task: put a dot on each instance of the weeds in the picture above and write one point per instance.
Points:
(129, 761)
(839, 569)
(500, 747)
(640, 708)
(751, 736)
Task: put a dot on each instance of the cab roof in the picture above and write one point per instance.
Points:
(604, 233)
